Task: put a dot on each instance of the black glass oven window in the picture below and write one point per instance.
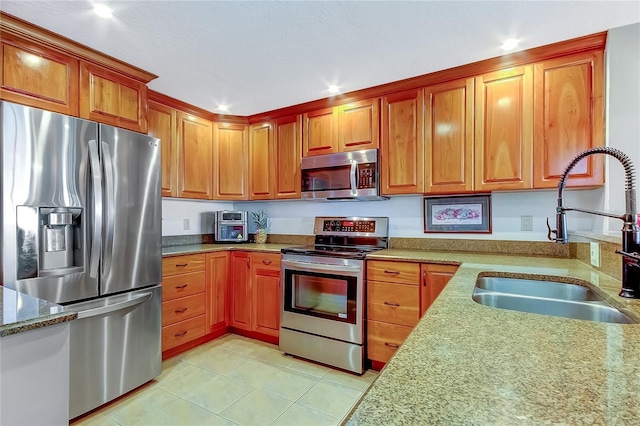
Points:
(325, 179)
(320, 295)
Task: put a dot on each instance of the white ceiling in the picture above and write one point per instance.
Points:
(256, 56)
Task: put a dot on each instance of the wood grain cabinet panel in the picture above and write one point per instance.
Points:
(36, 76)
(358, 125)
(266, 293)
(231, 161)
(112, 98)
(182, 332)
(504, 129)
(216, 290)
(183, 308)
(396, 272)
(569, 119)
(320, 132)
(402, 143)
(182, 285)
(162, 125)
(384, 339)
(195, 161)
(240, 291)
(393, 303)
(181, 264)
(288, 153)
(449, 119)
(261, 167)
(435, 278)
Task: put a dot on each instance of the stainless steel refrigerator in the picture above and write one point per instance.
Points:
(81, 226)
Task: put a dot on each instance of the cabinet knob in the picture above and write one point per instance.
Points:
(391, 345)
(395, 305)
(181, 286)
(181, 310)
(182, 333)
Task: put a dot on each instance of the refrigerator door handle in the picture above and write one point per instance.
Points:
(115, 307)
(96, 178)
(109, 202)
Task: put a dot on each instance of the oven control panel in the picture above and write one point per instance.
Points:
(349, 226)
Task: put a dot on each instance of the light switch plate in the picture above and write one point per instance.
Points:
(186, 224)
(594, 249)
(526, 223)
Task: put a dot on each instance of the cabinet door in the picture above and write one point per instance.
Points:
(39, 77)
(504, 129)
(434, 279)
(358, 125)
(162, 125)
(266, 293)
(261, 169)
(231, 161)
(569, 119)
(320, 132)
(239, 288)
(288, 152)
(402, 158)
(195, 168)
(112, 98)
(449, 137)
(216, 290)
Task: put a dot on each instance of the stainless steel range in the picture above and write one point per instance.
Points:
(323, 291)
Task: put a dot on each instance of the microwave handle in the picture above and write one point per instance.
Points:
(354, 178)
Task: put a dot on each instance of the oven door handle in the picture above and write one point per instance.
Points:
(309, 266)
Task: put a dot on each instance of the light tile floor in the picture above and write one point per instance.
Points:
(234, 380)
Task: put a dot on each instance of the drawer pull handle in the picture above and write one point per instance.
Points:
(386, 271)
(182, 333)
(180, 265)
(181, 310)
(391, 345)
(266, 262)
(395, 305)
(181, 286)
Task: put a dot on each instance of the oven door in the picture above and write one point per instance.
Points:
(323, 296)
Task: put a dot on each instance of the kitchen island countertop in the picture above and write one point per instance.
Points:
(20, 312)
(206, 248)
(465, 363)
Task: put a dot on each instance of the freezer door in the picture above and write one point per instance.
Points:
(132, 215)
(115, 346)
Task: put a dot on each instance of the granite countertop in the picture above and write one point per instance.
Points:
(20, 312)
(465, 363)
(205, 248)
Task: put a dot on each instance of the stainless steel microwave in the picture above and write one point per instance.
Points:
(230, 226)
(342, 176)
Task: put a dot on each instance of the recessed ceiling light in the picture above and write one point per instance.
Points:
(510, 44)
(223, 108)
(103, 11)
(334, 89)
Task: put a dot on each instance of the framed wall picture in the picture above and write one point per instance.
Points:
(465, 213)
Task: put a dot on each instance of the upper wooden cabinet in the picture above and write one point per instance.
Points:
(261, 167)
(288, 152)
(449, 117)
(37, 76)
(194, 156)
(162, 125)
(504, 129)
(231, 161)
(348, 127)
(402, 145)
(568, 119)
(112, 98)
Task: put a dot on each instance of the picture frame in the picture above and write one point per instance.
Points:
(464, 213)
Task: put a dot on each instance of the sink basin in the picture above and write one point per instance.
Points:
(537, 288)
(546, 298)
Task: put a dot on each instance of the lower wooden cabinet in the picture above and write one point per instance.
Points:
(217, 264)
(255, 292)
(398, 294)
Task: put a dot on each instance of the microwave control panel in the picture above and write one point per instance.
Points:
(349, 226)
(366, 176)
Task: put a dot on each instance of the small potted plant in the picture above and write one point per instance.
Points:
(260, 219)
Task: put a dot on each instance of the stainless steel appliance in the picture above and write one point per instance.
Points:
(81, 226)
(323, 291)
(230, 226)
(342, 176)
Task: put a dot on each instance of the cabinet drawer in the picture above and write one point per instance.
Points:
(182, 332)
(393, 303)
(266, 260)
(182, 308)
(393, 272)
(179, 264)
(182, 285)
(384, 339)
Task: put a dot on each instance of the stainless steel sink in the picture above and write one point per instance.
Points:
(546, 298)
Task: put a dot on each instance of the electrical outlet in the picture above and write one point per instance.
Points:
(594, 249)
(186, 224)
(526, 223)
